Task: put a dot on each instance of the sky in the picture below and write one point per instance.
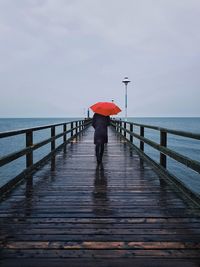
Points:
(58, 57)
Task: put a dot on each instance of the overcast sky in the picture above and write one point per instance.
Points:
(58, 57)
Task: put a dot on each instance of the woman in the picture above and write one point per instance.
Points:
(100, 124)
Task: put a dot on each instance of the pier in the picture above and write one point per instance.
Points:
(130, 211)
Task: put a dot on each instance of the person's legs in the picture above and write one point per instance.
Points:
(97, 149)
(101, 151)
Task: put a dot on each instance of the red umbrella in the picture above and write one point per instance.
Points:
(105, 108)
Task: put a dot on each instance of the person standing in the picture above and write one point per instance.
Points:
(100, 124)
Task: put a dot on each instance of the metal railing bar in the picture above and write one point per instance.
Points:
(171, 131)
(13, 156)
(192, 164)
(22, 131)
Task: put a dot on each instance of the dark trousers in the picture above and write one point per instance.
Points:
(99, 151)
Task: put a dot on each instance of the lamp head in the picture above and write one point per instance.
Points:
(126, 80)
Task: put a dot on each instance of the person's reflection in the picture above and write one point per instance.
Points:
(53, 163)
(141, 164)
(100, 195)
(163, 183)
(29, 195)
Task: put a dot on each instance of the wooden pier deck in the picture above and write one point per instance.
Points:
(72, 213)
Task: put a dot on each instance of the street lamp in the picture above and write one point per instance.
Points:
(126, 81)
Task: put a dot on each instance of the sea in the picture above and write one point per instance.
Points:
(185, 146)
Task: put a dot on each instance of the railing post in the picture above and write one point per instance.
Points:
(71, 129)
(142, 135)
(131, 130)
(76, 127)
(64, 130)
(163, 142)
(79, 126)
(117, 126)
(125, 129)
(120, 124)
(29, 143)
(53, 142)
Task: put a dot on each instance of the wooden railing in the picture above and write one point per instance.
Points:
(70, 130)
(126, 129)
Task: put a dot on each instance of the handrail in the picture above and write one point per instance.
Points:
(76, 127)
(193, 164)
(162, 146)
(175, 132)
(37, 128)
(13, 156)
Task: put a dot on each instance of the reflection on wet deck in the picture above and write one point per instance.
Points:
(75, 213)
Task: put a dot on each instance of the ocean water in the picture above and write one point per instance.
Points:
(185, 146)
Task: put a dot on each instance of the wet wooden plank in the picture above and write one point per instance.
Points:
(184, 227)
(103, 237)
(101, 253)
(111, 262)
(110, 231)
(133, 221)
(141, 262)
(101, 245)
(121, 213)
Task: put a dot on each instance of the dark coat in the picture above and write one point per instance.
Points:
(100, 124)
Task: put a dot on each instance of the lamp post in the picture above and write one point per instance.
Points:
(88, 113)
(126, 81)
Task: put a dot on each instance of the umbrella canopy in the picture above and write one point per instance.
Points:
(105, 108)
